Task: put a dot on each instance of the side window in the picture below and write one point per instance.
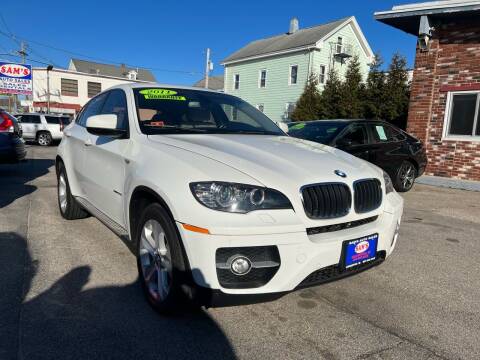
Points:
(383, 133)
(31, 119)
(356, 135)
(394, 134)
(379, 132)
(116, 103)
(52, 120)
(93, 107)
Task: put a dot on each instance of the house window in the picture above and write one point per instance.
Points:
(463, 115)
(289, 109)
(339, 45)
(293, 74)
(260, 107)
(236, 81)
(93, 88)
(262, 79)
(321, 75)
(69, 87)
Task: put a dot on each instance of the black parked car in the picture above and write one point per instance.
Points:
(401, 155)
(12, 146)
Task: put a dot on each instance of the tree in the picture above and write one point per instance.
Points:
(397, 91)
(308, 105)
(331, 97)
(353, 91)
(375, 90)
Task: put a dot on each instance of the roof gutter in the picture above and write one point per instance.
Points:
(407, 11)
(275, 53)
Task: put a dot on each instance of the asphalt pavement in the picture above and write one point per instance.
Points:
(69, 290)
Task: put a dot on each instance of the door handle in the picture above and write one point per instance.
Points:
(88, 142)
(67, 133)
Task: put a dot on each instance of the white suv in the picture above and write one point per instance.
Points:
(217, 202)
(43, 128)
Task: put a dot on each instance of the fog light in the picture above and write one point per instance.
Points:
(240, 265)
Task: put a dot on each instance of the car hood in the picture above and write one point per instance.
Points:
(273, 160)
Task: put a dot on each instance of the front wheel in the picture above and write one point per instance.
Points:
(69, 207)
(161, 264)
(405, 177)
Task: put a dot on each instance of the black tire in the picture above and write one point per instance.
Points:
(44, 138)
(405, 177)
(72, 210)
(180, 295)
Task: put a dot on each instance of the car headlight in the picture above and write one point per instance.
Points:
(388, 183)
(238, 198)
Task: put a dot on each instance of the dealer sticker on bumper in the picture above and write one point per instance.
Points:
(360, 251)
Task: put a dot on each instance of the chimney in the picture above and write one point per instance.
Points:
(293, 26)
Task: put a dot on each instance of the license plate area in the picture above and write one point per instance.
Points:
(359, 251)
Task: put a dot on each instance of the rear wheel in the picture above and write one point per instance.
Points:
(44, 139)
(161, 263)
(406, 176)
(69, 207)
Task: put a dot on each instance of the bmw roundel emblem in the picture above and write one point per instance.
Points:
(340, 173)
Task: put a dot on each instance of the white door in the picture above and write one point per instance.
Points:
(105, 163)
(30, 125)
(79, 139)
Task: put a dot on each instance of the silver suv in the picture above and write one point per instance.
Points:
(43, 128)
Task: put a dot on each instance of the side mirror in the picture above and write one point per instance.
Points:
(105, 125)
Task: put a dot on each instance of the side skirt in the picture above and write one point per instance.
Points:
(118, 229)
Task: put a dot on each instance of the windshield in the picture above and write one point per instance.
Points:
(319, 131)
(184, 111)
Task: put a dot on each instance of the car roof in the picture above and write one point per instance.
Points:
(37, 113)
(159, 85)
(346, 121)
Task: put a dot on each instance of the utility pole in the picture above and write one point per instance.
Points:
(49, 68)
(208, 66)
(23, 54)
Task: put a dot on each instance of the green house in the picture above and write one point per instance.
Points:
(271, 73)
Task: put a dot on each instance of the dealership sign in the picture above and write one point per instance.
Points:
(15, 78)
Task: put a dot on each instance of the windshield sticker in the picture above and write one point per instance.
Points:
(381, 132)
(161, 94)
(298, 126)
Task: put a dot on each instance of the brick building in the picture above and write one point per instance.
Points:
(444, 107)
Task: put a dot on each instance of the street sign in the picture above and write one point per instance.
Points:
(15, 79)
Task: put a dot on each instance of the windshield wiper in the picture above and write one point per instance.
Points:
(175, 130)
(246, 132)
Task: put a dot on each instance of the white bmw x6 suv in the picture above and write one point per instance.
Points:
(217, 202)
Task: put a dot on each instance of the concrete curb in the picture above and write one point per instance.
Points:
(449, 183)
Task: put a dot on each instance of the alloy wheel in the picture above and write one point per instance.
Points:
(155, 260)
(407, 176)
(43, 139)
(62, 192)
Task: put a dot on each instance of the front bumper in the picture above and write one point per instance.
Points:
(300, 254)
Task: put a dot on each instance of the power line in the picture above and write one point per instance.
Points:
(5, 23)
(29, 58)
(14, 38)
